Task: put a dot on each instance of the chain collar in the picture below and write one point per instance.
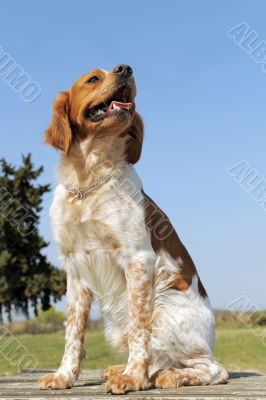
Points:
(80, 193)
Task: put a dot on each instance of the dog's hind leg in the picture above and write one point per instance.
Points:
(79, 301)
(201, 373)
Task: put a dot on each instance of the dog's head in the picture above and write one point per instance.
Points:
(101, 103)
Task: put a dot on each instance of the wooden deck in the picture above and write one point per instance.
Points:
(241, 386)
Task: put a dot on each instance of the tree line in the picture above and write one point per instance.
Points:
(27, 279)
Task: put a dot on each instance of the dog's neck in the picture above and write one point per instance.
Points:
(91, 160)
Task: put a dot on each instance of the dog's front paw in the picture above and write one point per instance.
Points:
(55, 381)
(113, 370)
(120, 384)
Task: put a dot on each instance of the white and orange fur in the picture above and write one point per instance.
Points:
(118, 246)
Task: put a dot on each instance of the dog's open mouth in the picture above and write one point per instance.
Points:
(116, 103)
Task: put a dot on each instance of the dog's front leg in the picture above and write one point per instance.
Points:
(139, 277)
(79, 301)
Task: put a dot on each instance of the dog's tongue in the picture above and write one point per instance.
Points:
(117, 104)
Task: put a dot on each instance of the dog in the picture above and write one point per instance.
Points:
(118, 246)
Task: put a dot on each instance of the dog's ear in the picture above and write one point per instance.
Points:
(135, 140)
(59, 133)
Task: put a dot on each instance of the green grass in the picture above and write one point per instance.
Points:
(237, 349)
(240, 349)
(48, 350)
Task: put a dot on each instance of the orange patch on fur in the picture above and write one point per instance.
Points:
(121, 384)
(113, 370)
(180, 283)
(53, 381)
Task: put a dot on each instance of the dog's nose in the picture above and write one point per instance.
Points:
(123, 70)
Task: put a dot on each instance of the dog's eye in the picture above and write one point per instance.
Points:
(93, 79)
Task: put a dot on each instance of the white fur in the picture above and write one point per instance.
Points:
(182, 321)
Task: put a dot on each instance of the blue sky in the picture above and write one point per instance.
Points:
(203, 100)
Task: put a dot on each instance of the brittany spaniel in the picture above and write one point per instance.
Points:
(118, 246)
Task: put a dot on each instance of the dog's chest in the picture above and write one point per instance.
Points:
(107, 221)
(99, 233)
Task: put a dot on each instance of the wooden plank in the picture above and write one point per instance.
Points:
(248, 386)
